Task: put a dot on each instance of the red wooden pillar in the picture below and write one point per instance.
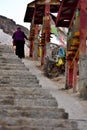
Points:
(43, 43)
(35, 45)
(83, 26)
(46, 25)
(31, 48)
(75, 75)
(70, 78)
(70, 75)
(31, 38)
(82, 49)
(32, 33)
(43, 54)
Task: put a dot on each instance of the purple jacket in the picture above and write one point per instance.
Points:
(19, 35)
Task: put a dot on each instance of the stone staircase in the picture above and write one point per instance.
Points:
(24, 105)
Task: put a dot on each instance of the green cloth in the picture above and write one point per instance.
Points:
(54, 30)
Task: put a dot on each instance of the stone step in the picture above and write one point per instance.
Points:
(8, 73)
(17, 71)
(18, 80)
(20, 85)
(6, 79)
(9, 55)
(26, 74)
(11, 60)
(28, 102)
(31, 96)
(28, 107)
(33, 128)
(12, 68)
(12, 64)
(24, 92)
(5, 48)
(52, 113)
(6, 63)
(41, 123)
(29, 76)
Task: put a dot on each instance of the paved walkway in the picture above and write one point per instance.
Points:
(69, 101)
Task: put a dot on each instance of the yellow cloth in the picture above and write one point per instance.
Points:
(60, 62)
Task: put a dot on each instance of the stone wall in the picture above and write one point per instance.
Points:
(83, 75)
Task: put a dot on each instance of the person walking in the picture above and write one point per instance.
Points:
(19, 41)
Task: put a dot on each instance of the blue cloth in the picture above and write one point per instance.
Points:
(61, 52)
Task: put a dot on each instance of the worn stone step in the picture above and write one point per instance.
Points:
(12, 64)
(10, 58)
(31, 96)
(5, 48)
(7, 74)
(29, 102)
(12, 61)
(24, 108)
(13, 77)
(29, 76)
(28, 128)
(33, 128)
(35, 123)
(4, 66)
(12, 68)
(17, 71)
(6, 63)
(36, 112)
(20, 85)
(24, 92)
(17, 83)
(16, 107)
(18, 80)
(9, 55)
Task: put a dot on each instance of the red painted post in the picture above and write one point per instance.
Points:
(43, 43)
(75, 75)
(46, 29)
(31, 38)
(70, 78)
(83, 26)
(47, 24)
(70, 75)
(43, 55)
(32, 33)
(31, 48)
(35, 47)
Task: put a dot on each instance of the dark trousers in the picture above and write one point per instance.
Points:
(20, 49)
